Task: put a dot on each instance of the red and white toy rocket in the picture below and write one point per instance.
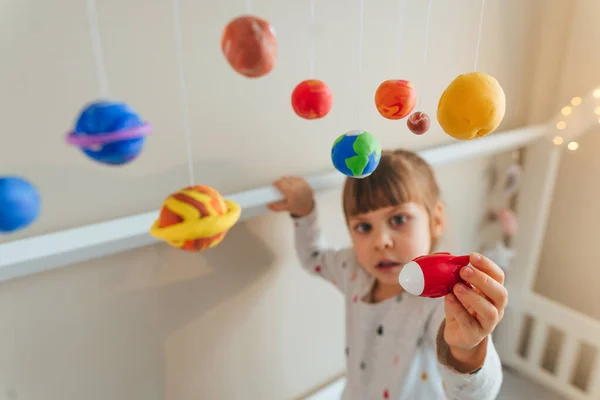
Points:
(433, 275)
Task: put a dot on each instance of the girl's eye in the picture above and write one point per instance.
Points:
(363, 227)
(399, 220)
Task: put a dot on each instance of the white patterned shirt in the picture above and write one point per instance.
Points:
(395, 348)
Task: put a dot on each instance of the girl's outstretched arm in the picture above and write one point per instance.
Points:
(313, 252)
(318, 257)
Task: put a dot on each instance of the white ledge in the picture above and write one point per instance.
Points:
(54, 250)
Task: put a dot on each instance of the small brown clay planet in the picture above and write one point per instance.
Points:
(249, 45)
(418, 123)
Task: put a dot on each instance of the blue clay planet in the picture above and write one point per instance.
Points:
(108, 117)
(20, 203)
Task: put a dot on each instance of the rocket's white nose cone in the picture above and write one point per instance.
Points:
(411, 278)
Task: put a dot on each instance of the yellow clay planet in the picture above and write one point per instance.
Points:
(472, 106)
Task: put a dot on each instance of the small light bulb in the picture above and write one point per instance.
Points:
(575, 101)
(596, 94)
(558, 140)
(573, 146)
(561, 125)
(597, 110)
(566, 110)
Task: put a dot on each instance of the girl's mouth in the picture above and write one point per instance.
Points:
(387, 264)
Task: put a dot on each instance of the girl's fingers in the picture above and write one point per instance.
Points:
(478, 306)
(278, 205)
(278, 183)
(285, 184)
(489, 287)
(453, 308)
(487, 266)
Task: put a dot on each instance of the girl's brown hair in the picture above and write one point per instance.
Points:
(402, 176)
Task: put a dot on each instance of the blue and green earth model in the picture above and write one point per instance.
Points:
(356, 154)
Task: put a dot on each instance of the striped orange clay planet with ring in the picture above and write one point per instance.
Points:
(195, 218)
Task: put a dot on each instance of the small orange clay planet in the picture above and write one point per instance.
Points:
(312, 99)
(195, 218)
(250, 46)
(418, 123)
(395, 98)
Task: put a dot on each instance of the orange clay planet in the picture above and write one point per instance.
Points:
(395, 98)
(312, 99)
(250, 46)
(195, 218)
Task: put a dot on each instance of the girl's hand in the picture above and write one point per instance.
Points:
(473, 313)
(298, 196)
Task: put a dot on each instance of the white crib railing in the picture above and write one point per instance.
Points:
(531, 344)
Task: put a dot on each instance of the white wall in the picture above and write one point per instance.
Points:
(241, 320)
(567, 270)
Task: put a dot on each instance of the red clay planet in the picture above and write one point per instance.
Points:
(250, 46)
(395, 98)
(311, 99)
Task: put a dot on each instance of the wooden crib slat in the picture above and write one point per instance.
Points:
(566, 358)
(538, 339)
(594, 384)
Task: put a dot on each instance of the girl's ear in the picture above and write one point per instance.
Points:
(438, 220)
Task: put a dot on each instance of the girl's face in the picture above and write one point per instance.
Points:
(386, 239)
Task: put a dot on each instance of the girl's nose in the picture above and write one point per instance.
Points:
(383, 239)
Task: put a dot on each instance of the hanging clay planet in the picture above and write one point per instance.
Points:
(109, 132)
(311, 99)
(418, 123)
(195, 218)
(472, 106)
(20, 203)
(395, 98)
(356, 153)
(249, 45)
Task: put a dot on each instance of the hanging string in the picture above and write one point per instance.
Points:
(313, 34)
(360, 51)
(248, 6)
(420, 88)
(479, 35)
(182, 89)
(92, 16)
(401, 5)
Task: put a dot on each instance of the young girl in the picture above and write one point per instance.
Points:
(400, 346)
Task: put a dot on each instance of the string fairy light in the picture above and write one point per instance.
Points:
(573, 146)
(574, 119)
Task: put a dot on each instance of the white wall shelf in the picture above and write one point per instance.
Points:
(54, 250)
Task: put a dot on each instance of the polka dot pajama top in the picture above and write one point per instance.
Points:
(394, 349)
